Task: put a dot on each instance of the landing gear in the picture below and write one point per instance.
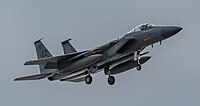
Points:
(138, 67)
(88, 79)
(50, 78)
(137, 58)
(111, 80)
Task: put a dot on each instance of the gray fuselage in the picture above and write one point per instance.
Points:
(121, 51)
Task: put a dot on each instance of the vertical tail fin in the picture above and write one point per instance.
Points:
(67, 47)
(42, 52)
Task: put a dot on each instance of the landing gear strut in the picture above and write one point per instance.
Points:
(88, 79)
(111, 79)
(137, 58)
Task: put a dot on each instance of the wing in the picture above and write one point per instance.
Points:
(53, 59)
(104, 47)
(33, 77)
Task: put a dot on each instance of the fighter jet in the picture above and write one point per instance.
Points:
(112, 58)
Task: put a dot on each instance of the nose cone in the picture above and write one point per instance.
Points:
(170, 31)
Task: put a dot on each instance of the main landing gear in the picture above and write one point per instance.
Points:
(88, 79)
(111, 79)
(138, 67)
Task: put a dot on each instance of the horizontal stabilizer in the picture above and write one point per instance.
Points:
(33, 77)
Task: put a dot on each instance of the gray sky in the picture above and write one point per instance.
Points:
(170, 78)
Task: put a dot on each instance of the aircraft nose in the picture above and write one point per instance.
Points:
(170, 31)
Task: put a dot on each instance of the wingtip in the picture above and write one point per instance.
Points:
(26, 63)
(16, 79)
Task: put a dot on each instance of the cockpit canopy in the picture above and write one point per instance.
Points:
(142, 27)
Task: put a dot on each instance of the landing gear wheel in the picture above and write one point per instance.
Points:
(138, 67)
(88, 79)
(111, 80)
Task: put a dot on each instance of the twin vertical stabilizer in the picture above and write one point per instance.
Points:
(67, 47)
(42, 52)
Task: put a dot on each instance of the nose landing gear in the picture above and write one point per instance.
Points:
(137, 58)
(138, 67)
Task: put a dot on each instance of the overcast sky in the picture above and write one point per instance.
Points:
(170, 78)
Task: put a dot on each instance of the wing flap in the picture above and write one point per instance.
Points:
(33, 77)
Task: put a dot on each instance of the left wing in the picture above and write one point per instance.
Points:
(53, 59)
(33, 77)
